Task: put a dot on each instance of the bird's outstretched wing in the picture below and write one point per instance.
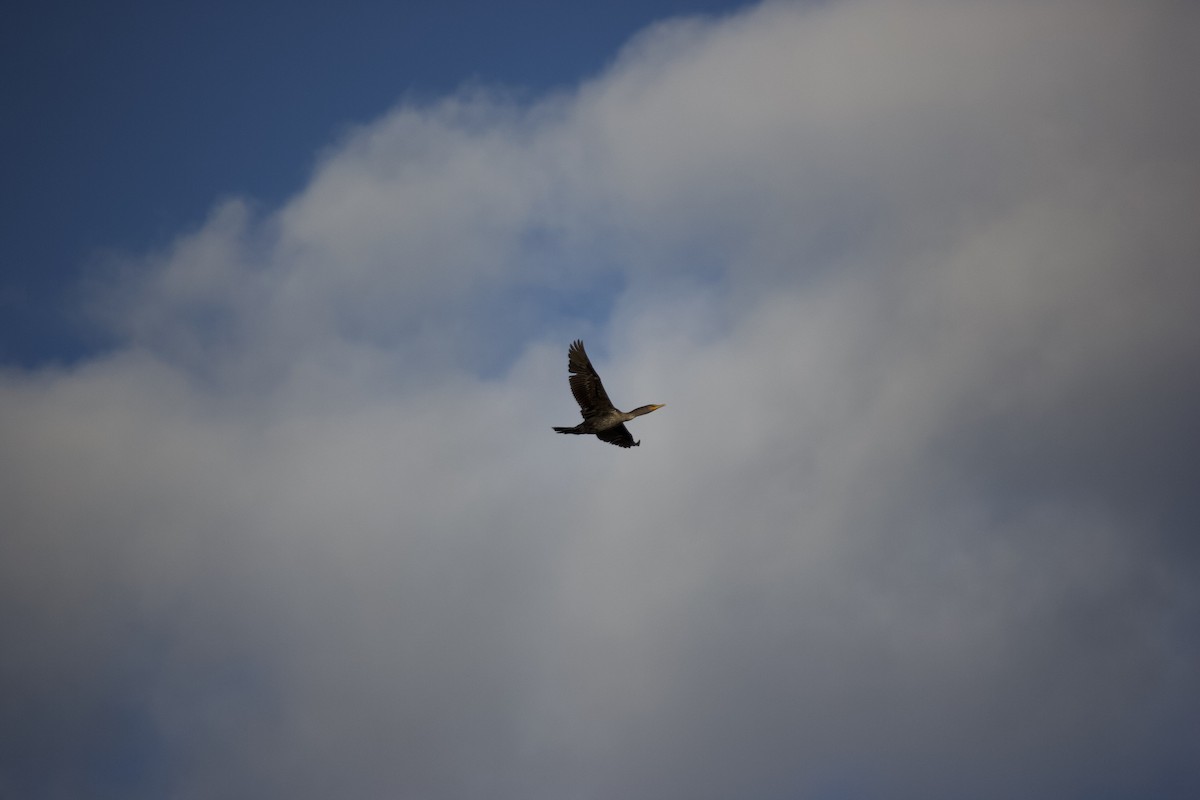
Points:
(620, 436)
(586, 386)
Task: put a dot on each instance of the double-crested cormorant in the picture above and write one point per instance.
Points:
(599, 415)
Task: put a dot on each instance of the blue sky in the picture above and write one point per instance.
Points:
(914, 279)
(126, 122)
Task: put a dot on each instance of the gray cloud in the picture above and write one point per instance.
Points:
(916, 281)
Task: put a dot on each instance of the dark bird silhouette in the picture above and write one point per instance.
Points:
(600, 417)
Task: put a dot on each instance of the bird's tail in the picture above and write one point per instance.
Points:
(565, 430)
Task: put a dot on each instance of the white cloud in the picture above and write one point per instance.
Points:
(916, 282)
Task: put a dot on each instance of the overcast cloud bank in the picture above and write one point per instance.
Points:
(918, 284)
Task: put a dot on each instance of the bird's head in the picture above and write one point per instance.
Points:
(637, 412)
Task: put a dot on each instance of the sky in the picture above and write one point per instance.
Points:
(287, 301)
(125, 122)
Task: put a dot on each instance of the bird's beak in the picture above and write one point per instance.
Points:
(657, 407)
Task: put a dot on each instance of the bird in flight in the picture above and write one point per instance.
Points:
(599, 415)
